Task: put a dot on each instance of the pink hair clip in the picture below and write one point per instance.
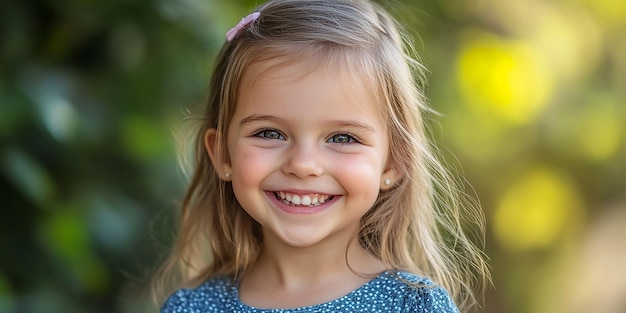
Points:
(232, 33)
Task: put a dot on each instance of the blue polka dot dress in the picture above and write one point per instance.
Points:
(385, 293)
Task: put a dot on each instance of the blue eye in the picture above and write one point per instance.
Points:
(270, 134)
(342, 139)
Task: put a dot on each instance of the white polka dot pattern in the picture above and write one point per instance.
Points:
(385, 293)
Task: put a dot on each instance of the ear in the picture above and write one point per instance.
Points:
(389, 178)
(220, 162)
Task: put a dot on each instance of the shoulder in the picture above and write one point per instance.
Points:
(212, 296)
(419, 294)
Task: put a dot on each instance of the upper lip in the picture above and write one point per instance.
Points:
(303, 191)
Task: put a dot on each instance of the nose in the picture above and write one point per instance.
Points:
(303, 160)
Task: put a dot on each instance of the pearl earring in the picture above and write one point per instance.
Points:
(227, 175)
(387, 181)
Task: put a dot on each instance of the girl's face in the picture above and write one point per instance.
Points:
(307, 152)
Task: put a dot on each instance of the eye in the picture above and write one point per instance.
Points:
(342, 139)
(270, 134)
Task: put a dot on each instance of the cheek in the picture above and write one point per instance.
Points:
(249, 170)
(251, 164)
(361, 172)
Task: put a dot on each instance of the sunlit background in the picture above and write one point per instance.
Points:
(533, 101)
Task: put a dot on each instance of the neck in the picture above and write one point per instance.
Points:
(287, 276)
(291, 267)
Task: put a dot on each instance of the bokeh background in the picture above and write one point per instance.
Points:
(532, 96)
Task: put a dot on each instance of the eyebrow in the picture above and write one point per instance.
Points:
(258, 118)
(337, 123)
(354, 124)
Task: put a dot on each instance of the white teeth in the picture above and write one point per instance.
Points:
(306, 200)
(295, 199)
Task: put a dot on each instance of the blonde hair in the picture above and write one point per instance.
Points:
(417, 226)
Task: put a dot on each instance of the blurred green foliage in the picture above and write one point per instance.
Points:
(533, 102)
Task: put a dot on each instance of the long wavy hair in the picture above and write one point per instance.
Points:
(419, 225)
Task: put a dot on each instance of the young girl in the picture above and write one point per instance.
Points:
(315, 187)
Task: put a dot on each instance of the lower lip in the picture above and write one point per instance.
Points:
(300, 209)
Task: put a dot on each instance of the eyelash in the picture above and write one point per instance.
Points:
(351, 139)
(263, 134)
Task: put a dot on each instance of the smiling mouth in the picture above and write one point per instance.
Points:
(308, 200)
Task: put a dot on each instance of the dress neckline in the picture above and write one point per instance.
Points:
(246, 308)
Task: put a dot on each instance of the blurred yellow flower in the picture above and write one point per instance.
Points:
(536, 210)
(504, 77)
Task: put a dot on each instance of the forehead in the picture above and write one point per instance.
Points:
(306, 76)
(298, 69)
(341, 65)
